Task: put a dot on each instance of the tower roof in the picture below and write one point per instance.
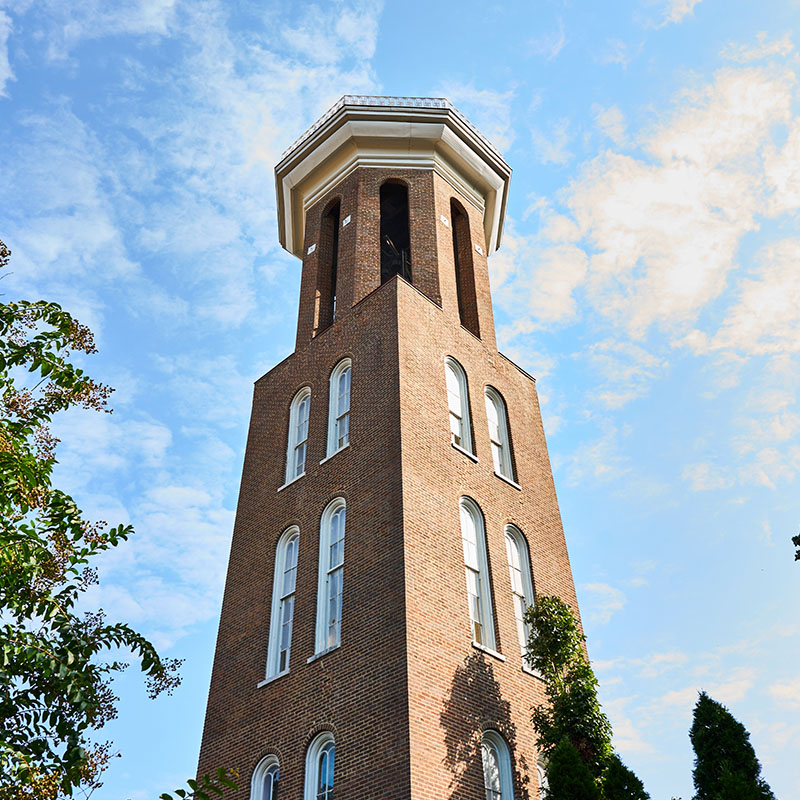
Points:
(401, 132)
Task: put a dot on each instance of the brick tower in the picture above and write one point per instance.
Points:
(397, 509)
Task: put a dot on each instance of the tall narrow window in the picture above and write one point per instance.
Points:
(465, 271)
(327, 268)
(473, 540)
(298, 434)
(282, 617)
(320, 765)
(331, 566)
(339, 407)
(264, 785)
(541, 774)
(521, 583)
(395, 236)
(458, 405)
(497, 780)
(498, 433)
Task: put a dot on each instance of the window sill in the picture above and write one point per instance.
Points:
(488, 650)
(293, 480)
(508, 481)
(323, 653)
(532, 672)
(336, 452)
(272, 678)
(465, 452)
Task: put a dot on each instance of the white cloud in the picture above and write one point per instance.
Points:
(6, 74)
(551, 44)
(604, 601)
(615, 51)
(597, 460)
(786, 692)
(676, 10)
(611, 123)
(704, 477)
(744, 54)
(628, 738)
(489, 110)
(552, 146)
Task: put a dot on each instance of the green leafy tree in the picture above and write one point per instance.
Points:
(568, 777)
(725, 764)
(619, 783)
(556, 651)
(56, 666)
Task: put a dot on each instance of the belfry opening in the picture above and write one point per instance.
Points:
(395, 236)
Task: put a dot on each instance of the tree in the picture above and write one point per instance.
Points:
(56, 669)
(568, 778)
(796, 543)
(556, 651)
(725, 764)
(619, 783)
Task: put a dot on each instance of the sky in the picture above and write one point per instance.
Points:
(648, 277)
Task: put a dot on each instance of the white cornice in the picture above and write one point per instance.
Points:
(406, 133)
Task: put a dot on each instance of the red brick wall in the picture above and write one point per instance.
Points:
(406, 694)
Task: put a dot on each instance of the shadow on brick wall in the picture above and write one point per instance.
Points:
(473, 706)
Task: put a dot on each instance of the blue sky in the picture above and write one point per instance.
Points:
(648, 277)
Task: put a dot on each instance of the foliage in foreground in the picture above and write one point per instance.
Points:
(55, 684)
(620, 783)
(796, 543)
(568, 778)
(205, 787)
(572, 716)
(725, 765)
(556, 651)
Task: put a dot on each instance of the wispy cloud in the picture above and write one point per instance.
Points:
(488, 109)
(6, 73)
(603, 601)
(549, 45)
(676, 10)
(766, 48)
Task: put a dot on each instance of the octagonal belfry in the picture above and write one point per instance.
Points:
(397, 511)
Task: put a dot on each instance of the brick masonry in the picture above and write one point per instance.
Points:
(406, 695)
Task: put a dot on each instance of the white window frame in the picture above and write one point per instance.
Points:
(322, 643)
(500, 440)
(279, 599)
(315, 750)
(458, 407)
(476, 567)
(259, 775)
(541, 775)
(293, 439)
(492, 739)
(335, 413)
(522, 594)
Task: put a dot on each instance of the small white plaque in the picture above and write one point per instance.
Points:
(346, 221)
(478, 248)
(311, 249)
(444, 220)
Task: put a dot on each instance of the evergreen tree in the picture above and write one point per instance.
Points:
(568, 778)
(725, 764)
(619, 783)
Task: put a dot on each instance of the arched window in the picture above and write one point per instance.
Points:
(395, 236)
(541, 774)
(458, 404)
(497, 781)
(298, 434)
(264, 785)
(331, 566)
(521, 583)
(282, 616)
(339, 407)
(465, 273)
(498, 433)
(473, 539)
(327, 267)
(320, 768)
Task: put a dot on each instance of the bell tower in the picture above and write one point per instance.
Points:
(397, 511)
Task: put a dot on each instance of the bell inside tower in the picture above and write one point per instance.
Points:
(395, 238)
